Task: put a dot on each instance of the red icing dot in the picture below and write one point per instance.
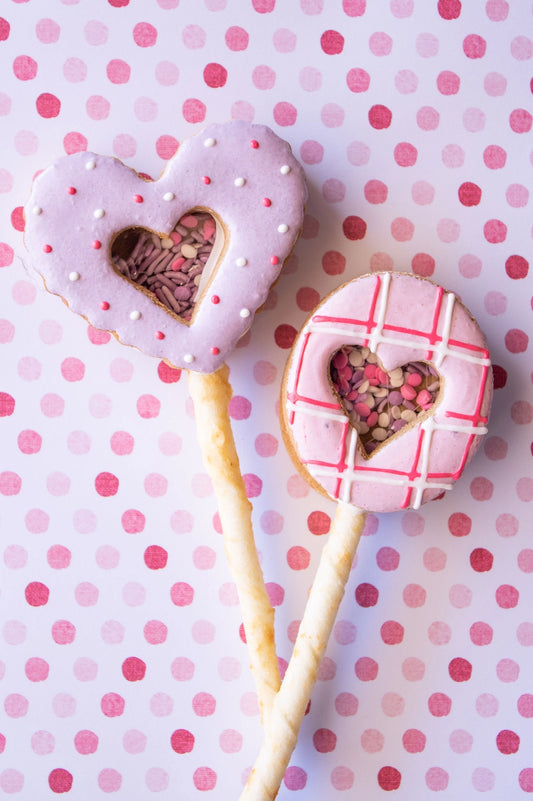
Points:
(267, 202)
(474, 46)
(254, 143)
(159, 335)
(37, 594)
(182, 741)
(325, 741)
(449, 9)
(215, 75)
(155, 557)
(516, 267)
(354, 228)
(138, 198)
(144, 34)
(133, 669)
(106, 484)
(380, 117)
(460, 669)
(332, 42)
(206, 179)
(168, 374)
(71, 190)
(60, 780)
(193, 110)
(284, 336)
(7, 404)
(96, 244)
(318, 523)
(104, 305)
(389, 778)
(469, 194)
(274, 260)
(48, 105)
(47, 248)
(507, 742)
(215, 351)
(366, 595)
(459, 524)
(215, 299)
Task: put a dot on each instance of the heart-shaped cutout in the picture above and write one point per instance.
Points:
(173, 268)
(379, 404)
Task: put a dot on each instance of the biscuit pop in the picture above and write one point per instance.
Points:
(388, 324)
(110, 243)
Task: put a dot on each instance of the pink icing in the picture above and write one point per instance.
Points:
(402, 318)
(81, 202)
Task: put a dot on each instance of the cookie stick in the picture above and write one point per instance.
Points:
(402, 319)
(241, 174)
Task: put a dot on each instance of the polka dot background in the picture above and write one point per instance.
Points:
(123, 671)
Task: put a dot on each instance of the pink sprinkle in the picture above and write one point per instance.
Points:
(206, 179)
(383, 378)
(71, 190)
(159, 335)
(345, 372)
(408, 392)
(372, 419)
(362, 409)
(414, 379)
(209, 228)
(215, 351)
(138, 198)
(215, 299)
(189, 221)
(177, 263)
(254, 143)
(370, 370)
(267, 202)
(97, 245)
(340, 360)
(274, 260)
(423, 398)
(104, 305)
(47, 248)
(176, 238)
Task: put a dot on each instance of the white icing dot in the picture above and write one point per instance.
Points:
(210, 142)
(285, 170)
(98, 213)
(169, 196)
(245, 312)
(135, 315)
(283, 228)
(241, 262)
(74, 276)
(188, 358)
(90, 165)
(37, 210)
(239, 181)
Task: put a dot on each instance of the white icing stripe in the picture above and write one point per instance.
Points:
(442, 349)
(301, 407)
(377, 333)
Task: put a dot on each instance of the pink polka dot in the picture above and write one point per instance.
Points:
(332, 115)
(414, 596)
(474, 46)
(494, 157)
(495, 231)
(97, 107)
(112, 632)
(95, 32)
(236, 38)
(517, 195)
(29, 369)
(439, 705)
(372, 741)
(495, 303)
(295, 778)
(74, 142)
(358, 80)
(434, 559)
(507, 670)
(166, 73)
(358, 154)
(507, 596)
(439, 633)
(122, 443)
(520, 120)
(193, 37)
(118, 71)
(427, 45)
(524, 634)
(29, 442)
(402, 229)
(58, 484)
(448, 230)
(379, 117)
(284, 40)
(86, 742)
(85, 669)
(448, 83)
(516, 340)
(366, 669)
(5, 104)
(437, 779)
(47, 31)
(107, 557)
(193, 110)
(469, 266)
(414, 741)
(525, 560)
(406, 82)
(11, 780)
(392, 704)
(63, 632)
(148, 406)
(474, 120)
(215, 75)
(58, 557)
(453, 156)
(145, 109)
(427, 118)
(36, 669)
(16, 705)
(380, 44)
(423, 193)
(460, 596)
(521, 48)
(42, 742)
(497, 10)
(423, 264)
(106, 484)
(24, 68)
(285, 114)
(405, 154)
(204, 704)
(144, 34)
(376, 192)
(525, 780)
(75, 70)
(10, 483)
(86, 594)
(495, 84)
(205, 778)
(109, 780)
(124, 146)
(72, 369)
(48, 105)
(112, 705)
(525, 705)
(332, 42)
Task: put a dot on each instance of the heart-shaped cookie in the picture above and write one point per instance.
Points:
(243, 175)
(403, 319)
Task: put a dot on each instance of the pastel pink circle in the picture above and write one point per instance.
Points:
(145, 109)
(109, 780)
(474, 120)
(42, 742)
(15, 557)
(144, 34)
(402, 8)
(133, 594)
(148, 406)
(372, 741)
(406, 82)
(16, 705)
(7, 331)
(50, 332)
(74, 70)
(507, 670)
(23, 293)
(205, 778)
(358, 153)
(380, 43)
(469, 266)
(86, 594)
(437, 779)
(36, 669)
(263, 77)
(63, 632)
(182, 522)
(229, 668)
(525, 560)
(79, 442)
(193, 37)
(461, 741)
(522, 48)
(118, 71)
(29, 442)
(167, 73)
(58, 484)
(124, 146)
(333, 190)
(448, 230)
(201, 485)
(230, 741)
(155, 485)
(134, 741)
(487, 705)
(524, 633)
(405, 154)
(483, 779)
(84, 521)
(95, 32)
(413, 669)
(14, 632)
(122, 443)
(204, 557)
(427, 45)
(86, 742)
(204, 704)
(155, 632)
(112, 632)
(332, 115)
(58, 557)
(402, 229)
(495, 303)
(47, 31)
(460, 596)
(97, 107)
(392, 704)
(453, 156)
(203, 632)
(414, 596)
(448, 83)
(495, 84)
(497, 10)
(29, 368)
(64, 705)
(85, 669)
(427, 118)
(161, 705)
(107, 557)
(11, 780)
(284, 40)
(157, 780)
(439, 633)
(434, 559)
(182, 669)
(423, 193)
(517, 195)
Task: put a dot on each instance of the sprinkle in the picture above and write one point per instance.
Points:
(283, 228)
(274, 260)
(267, 202)
(188, 358)
(254, 143)
(241, 262)
(74, 276)
(97, 244)
(285, 169)
(104, 305)
(98, 213)
(215, 299)
(206, 179)
(37, 210)
(135, 315)
(159, 335)
(244, 313)
(71, 190)
(138, 198)
(47, 248)
(188, 251)
(90, 165)
(210, 142)
(239, 182)
(169, 196)
(215, 351)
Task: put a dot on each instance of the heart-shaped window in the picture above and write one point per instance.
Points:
(173, 268)
(379, 404)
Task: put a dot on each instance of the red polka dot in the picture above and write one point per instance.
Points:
(469, 194)
(48, 105)
(459, 524)
(166, 146)
(307, 298)
(5, 28)
(74, 142)
(264, 6)
(118, 71)
(17, 218)
(366, 669)
(354, 228)
(366, 595)
(106, 484)
(236, 38)
(414, 741)
(155, 557)
(7, 404)
(516, 267)
(318, 523)
(389, 778)
(133, 669)
(25, 68)
(7, 254)
(520, 120)
(298, 558)
(325, 741)
(449, 9)
(474, 46)
(439, 705)
(118, 3)
(460, 669)
(285, 114)
(284, 336)
(295, 778)
(494, 157)
(507, 596)
(358, 80)
(193, 110)
(516, 341)
(392, 632)
(60, 780)
(182, 741)
(215, 75)
(499, 375)
(380, 117)
(168, 374)
(507, 742)
(448, 83)
(405, 154)
(376, 192)
(332, 42)
(333, 262)
(181, 594)
(495, 231)
(37, 594)
(481, 560)
(481, 488)
(144, 34)
(525, 780)
(239, 408)
(423, 264)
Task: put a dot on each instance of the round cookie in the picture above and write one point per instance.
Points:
(244, 175)
(402, 319)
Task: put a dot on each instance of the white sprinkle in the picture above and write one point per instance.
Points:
(188, 251)
(135, 315)
(245, 312)
(167, 243)
(283, 228)
(210, 142)
(188, 358)
(37, 210)
(169, 196)
(90, 165)
(241, 262)
(98, 213)
(74, 276)
(239, 181)
(285, 170)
